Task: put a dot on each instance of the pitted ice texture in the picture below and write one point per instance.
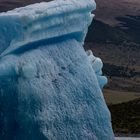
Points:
(50, 89)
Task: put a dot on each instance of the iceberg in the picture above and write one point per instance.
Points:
(50, 87)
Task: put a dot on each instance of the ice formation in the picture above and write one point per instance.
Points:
(50, 88)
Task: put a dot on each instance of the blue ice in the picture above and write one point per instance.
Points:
(50, 88)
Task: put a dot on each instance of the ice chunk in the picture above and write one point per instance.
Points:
(97, 66)
(49, 89)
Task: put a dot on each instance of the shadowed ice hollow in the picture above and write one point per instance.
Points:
(50, 88)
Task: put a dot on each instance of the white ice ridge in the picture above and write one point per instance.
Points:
(43, 22)
(50, 88)
(97, 65)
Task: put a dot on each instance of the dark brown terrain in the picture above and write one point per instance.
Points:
(108, 10)
(115, 37)
(127, 119)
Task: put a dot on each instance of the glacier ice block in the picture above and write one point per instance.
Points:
(50, 88)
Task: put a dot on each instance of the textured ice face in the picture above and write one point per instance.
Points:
(50, 88)
(97, 66)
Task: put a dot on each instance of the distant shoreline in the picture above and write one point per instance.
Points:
(126, 138)
(127, 135)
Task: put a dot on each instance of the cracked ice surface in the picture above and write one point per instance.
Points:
(50, 88)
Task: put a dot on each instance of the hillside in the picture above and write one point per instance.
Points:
(100, 32)
(126, 117)
(6, 5)
(108, 10)
(127, 31)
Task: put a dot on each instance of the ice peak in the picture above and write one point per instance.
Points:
(45, 22)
